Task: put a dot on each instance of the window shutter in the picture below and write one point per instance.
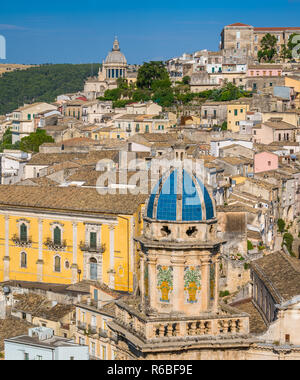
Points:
(57, 236)
(23, 232)
(93, 239)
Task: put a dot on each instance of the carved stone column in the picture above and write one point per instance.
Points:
(40, 261)
(112, 257)
(6, 258)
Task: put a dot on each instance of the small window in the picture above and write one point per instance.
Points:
(23, 232)
(57, 261)
(23, 260)
(287, 338)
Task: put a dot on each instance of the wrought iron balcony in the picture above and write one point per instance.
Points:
(89, 248)
(22, 242)
(52, 245)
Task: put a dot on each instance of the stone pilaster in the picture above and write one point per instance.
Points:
(205, 283)
(217, 279)
(40, 261)
(152, 288)
(142, 280)
(6, 258)
(74, 266)
(178, 283)
(112, 257)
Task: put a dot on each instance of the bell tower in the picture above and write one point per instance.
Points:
(180, 251)
(176, 313)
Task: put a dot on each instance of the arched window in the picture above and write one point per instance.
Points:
(23, 260)
(23, 232)
(57, 262)
(57, 236)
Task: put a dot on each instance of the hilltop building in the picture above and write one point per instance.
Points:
(242, 40)
(114, 67)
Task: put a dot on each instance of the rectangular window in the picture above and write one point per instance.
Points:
(23, 232)
(235, 112)
(93, 239)
(26, 356)
(57, 236)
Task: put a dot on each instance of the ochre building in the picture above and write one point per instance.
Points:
(65, 235)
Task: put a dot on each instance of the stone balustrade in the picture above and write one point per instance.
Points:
(224, 325)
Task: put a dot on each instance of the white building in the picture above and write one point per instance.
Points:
(216, 145)
(42, 344)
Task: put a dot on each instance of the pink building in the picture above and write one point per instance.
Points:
(265, 161)
(264, 71)
(273, 130)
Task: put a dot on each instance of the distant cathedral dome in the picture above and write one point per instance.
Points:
(115, 56)
(168, 202)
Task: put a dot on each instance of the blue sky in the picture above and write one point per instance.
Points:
(83, 31)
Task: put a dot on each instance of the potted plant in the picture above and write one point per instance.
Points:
(192, 283)
(165, 282)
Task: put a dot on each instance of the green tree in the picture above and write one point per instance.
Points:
(122, 83)
(288, 240)
(224, 126)
(32, 142)
(281, 225)
(150, 72)
(186, 79)
(113, 95)
(268, 48)
(42, 84)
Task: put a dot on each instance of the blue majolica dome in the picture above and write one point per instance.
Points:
(168, 202)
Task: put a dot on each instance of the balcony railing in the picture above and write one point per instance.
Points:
(88, 248)
(81, 325)
(55, 246)
(92, 330)
(22, 242)
(103, 333)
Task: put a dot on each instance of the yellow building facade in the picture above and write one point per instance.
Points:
(63, 246)
(235, 114)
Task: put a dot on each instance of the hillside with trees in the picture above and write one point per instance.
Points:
(153, 83)
(42, 84)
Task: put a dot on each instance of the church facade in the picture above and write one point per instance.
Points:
(114, 67)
